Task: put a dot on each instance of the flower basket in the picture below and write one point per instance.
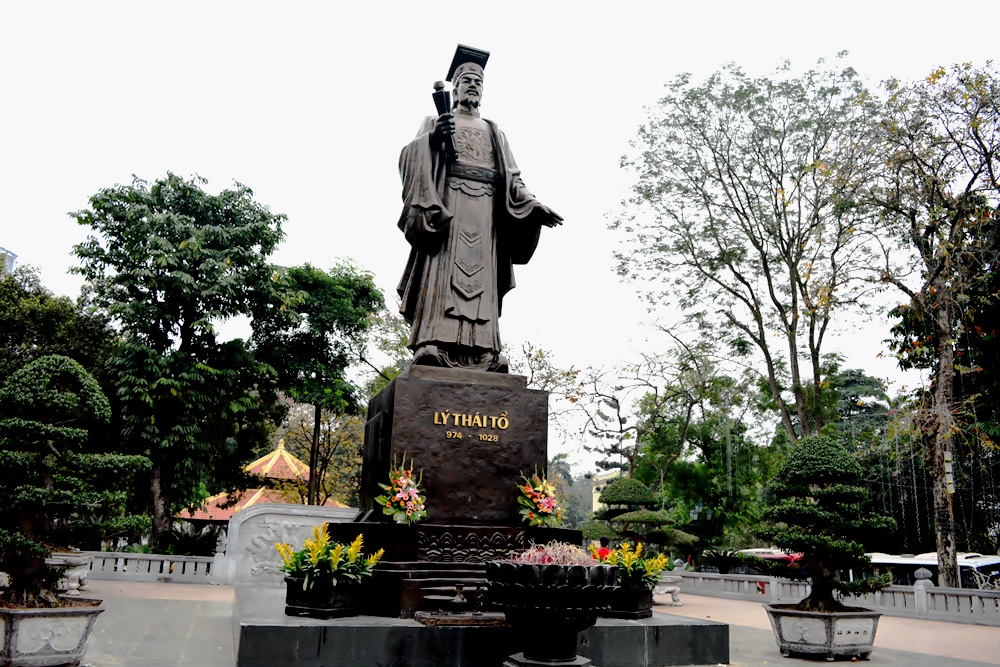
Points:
(323, 599)
(403, 499)
(539, 503)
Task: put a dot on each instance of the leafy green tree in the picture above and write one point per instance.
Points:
(746, 215)
(56, 477)
(168, 262)
(314, 342)
(939, 195)
(35, 323)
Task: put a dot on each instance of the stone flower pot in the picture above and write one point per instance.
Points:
(323, 599)
(830, 634)
(630, 601)
(550, 605)
(46, 637)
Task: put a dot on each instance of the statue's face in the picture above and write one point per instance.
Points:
(469, 87)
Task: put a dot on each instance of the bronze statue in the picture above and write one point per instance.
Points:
(468, 218)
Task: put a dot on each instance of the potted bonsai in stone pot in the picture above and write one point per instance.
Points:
(325, 577)
(55, 480)
(815, 506)
(550, 594)
(637, 576)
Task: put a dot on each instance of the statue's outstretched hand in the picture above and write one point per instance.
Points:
(444, 127)
(546, 216)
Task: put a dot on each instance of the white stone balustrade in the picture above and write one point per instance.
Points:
(121, 566)
(962, 605)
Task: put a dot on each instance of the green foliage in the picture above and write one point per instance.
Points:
(168, 262)
(35, 323)
(815, 505)
(58, 483)
(627, 491)
(595, 530)
(312, 343)
(185, 539)
(655, 517)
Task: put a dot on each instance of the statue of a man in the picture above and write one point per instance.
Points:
(468, 218)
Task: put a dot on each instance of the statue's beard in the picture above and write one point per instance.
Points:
(469, 102)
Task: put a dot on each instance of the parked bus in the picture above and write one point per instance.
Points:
(903, 568)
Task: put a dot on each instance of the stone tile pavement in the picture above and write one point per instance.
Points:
(188, 625)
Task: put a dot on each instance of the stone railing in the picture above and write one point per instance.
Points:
(962, 605)
(150, 567)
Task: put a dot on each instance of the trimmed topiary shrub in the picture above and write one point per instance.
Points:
(627, 491)
(815, 506)
(55, 478)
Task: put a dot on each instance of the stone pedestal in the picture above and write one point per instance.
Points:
(473, 434)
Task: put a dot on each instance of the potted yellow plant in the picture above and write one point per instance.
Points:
(324, 577)
(637, 576)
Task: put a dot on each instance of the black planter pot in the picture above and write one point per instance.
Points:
(630, 602)
(322, 600)
(550, 605)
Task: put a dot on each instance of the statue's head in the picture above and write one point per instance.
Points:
(466, 75)
(468, 82)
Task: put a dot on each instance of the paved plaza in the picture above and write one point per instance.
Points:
(184, 625)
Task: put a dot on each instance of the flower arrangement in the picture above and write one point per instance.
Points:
(539, 504)
(404, 501)
(633, 569)
(553, 553)
(322, 558)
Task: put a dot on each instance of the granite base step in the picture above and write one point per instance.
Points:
(265, 637)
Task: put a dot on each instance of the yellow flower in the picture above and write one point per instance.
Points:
(315, 549)
(335, 555)
(354, 550)
(375, 557)
(321, 535)
(286, 553)
(638, 550)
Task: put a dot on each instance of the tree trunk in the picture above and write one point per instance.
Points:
(314, 457)
(160, 505)
(944, 518)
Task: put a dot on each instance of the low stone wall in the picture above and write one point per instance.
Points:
(120, 566)
(924, 600)
(251, 556)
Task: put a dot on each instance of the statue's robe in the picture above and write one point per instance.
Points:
(465, 238)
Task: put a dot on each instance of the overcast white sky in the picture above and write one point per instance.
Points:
(309, 103)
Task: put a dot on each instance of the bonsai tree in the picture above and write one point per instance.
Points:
(815, 506)
(55, 479)
(629, 515)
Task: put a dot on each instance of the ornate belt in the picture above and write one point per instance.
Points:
(481, 174)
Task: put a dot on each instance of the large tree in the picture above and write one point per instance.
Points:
(313, 343)
(939, 195)
(169, 262)
(745, 215)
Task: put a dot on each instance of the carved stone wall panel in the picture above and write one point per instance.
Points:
(467, 547)
(251, 556)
